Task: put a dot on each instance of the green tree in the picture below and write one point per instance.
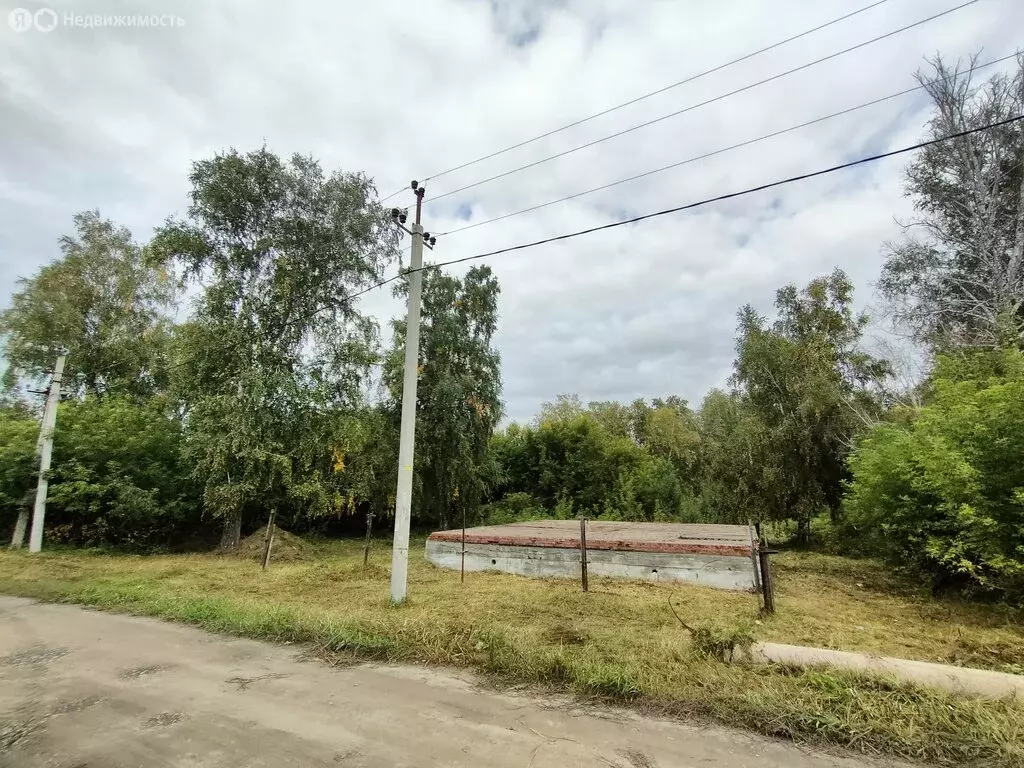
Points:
(565, 406)
(275, 341)
(458, 393)
(673, 434)
(363, 462)
(574, 463)
(18, 435)
(807, 382)
(944, 496)
(613, 416)
(103, 303)
(741, 473)
(118, 475)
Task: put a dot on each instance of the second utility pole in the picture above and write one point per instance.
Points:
(35, 539)
(407, 437)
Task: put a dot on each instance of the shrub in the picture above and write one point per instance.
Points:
(513, 508)
(944, 496)
(18, 434)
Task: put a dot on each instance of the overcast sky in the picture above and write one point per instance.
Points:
(111, 118)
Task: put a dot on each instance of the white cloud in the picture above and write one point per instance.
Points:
(111, 118)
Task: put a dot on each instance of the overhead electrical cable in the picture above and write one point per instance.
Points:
(700, 203)
(647, 95)
(715, 152)
(667, 211)
(699, 104)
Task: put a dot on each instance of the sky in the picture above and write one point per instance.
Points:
(112, 117)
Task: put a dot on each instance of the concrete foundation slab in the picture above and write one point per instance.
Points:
(712, 555)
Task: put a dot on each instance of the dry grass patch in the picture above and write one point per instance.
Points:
(286, 547)
(619, 641)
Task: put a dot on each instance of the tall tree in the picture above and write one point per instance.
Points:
(459, 390)
(808, 383)
(103, 303)
(279, 248)
(565, 406)
(741, 473)
(957, 276)
(673, 434)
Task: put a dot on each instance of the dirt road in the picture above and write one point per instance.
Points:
(81, 689)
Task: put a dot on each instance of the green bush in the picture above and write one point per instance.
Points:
(18, 434)
(513, 508)
(574, 465)
(944, 496)
(117, 477)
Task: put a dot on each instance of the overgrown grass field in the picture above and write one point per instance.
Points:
(620, 641)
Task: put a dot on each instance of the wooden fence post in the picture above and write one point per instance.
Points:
(767, 583)
(268, 538)
(462, 575)
(583, 550)
(755, 564)
(366, 546)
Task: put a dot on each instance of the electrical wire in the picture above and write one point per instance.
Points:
(663, 89)
(698, 105)
(700, 203)
(715, 152)
(667, 211)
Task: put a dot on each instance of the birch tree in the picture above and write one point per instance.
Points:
(275, 341)
(459, 392)
(956, 278)
(103, 303)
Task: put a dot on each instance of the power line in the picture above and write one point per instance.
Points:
(701, 203)
(704, 103)
(715, 152)
(632, 101)
(665, 212)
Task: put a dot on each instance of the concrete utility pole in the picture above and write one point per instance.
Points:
(35, 540)
(407, 436)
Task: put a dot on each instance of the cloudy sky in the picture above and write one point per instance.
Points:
(111, 118)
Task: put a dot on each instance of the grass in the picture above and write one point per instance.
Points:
(618, 642)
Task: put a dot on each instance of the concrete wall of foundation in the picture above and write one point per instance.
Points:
(722, 571)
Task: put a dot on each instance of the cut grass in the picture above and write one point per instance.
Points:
(618, 642)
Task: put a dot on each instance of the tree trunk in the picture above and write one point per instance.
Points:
(18, 540)
(232, 531)
(835, 512)
(803, 531)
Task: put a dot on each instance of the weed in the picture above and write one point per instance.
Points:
(716, 642)
(564, 634)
